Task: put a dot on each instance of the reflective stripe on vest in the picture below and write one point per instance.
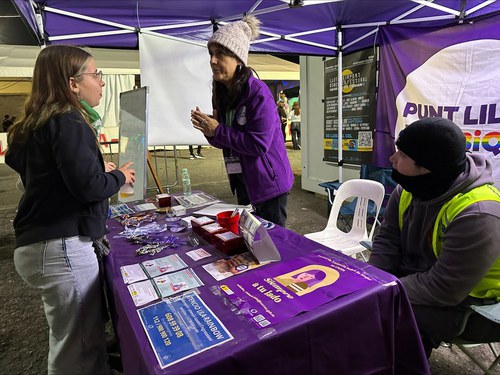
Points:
(489, 286)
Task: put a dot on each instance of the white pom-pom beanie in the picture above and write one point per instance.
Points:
(236, 36)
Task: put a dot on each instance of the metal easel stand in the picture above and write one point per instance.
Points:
(157, 169)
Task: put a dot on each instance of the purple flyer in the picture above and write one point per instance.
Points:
(269, 295)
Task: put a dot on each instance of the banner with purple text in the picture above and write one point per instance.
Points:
(450, 72)
(276, 293)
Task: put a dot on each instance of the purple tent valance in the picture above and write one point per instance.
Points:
(310, 29)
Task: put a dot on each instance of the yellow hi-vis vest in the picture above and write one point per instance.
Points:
(489, 286)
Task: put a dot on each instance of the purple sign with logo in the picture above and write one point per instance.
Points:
(270, 295)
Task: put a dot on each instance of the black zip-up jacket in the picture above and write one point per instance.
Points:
(66, 188)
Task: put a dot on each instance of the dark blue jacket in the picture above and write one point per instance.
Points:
(66, 188)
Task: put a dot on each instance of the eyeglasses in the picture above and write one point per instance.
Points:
(97, 75)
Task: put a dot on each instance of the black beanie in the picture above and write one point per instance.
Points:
(435, 143)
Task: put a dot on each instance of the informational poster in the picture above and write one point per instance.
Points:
(223, 268)
(162, 286)
(358, 107)
(278, 292)
(178, 328)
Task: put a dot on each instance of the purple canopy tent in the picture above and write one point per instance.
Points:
(305, 27)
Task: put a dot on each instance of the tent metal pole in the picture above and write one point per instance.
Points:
(88, 18)
(438, 7)
(361, 38)
(339, 103)
(37, 12)
(480, 6)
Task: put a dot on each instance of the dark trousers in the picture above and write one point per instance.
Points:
(438, 324)
(198, 150)
(283, 130)
(238, 187)
(273, 210)
(295, 126)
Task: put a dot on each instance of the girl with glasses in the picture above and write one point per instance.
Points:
(64, 208)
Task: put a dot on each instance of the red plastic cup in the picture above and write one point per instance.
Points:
(231, 223)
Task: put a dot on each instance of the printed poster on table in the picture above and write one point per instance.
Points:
(180, 327)
(283, 290)
(152, 268)
(223, 268)
(163, 286)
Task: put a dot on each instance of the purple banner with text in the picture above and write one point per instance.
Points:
(446, 72)
(278, 292)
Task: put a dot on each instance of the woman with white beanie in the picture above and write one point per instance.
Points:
(245, 124)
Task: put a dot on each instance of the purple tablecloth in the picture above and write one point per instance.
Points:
(371, 331)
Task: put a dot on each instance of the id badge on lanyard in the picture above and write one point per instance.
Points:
(233, 165)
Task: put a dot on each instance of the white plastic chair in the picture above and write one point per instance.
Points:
(348, 243)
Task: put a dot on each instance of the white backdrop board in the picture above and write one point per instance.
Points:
(133, 135)
(179, 79)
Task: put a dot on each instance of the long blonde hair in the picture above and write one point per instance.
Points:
(50, 93)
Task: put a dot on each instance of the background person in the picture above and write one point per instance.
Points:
(441, 229)
(245, 124)
(64, 206)
(283, 118)
(6, 123)
(295, 125)
(284, 100)
(198, 154)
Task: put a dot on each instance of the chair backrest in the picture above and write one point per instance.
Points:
(382, 175)
(363, 191)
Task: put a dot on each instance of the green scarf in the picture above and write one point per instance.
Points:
(95, 119)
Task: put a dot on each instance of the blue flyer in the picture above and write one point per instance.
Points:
(180, 327)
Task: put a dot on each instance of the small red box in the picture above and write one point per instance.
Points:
(198, 222)
(164, 200)
(229, 243)
(209, 231)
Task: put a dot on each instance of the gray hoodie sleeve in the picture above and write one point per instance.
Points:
(386, 253)
(470, 248)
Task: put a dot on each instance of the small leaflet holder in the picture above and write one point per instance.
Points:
(257, 239)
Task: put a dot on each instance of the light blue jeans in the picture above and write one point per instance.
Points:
(66, 272)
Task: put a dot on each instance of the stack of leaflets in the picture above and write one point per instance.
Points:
(195, 200)
(120, 209)
(155, 278)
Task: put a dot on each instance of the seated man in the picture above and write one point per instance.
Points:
(441, 229)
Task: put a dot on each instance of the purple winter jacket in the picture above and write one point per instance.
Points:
(255, 137)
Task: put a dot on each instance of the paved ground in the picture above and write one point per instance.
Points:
(23, 333)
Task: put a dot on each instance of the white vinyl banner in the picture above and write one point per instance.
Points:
(179, 79)
(109, 107)
(449, 72)
(465, 94)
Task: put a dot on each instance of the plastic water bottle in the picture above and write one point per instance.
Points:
(186, 182)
